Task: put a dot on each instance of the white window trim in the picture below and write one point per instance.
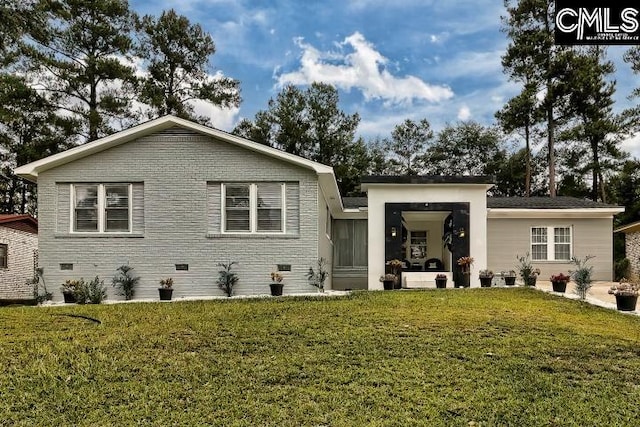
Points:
(101, 208)
(253, 208)
(551, 250)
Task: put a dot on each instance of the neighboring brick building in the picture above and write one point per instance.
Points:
(18, 246)
(632, 245)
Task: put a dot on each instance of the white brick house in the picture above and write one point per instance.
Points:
(18, 246)
(172, 198)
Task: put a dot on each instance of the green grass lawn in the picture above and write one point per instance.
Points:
(513, 357)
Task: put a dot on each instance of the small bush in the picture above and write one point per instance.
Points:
(96, 291)
(93, 292)
(318, 277)
(622, 268)
(125, 281)
(582, 275)
(226, 278)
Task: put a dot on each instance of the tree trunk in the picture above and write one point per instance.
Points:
(94, 118)
(595, 171)
(527, 176)
(551, 156)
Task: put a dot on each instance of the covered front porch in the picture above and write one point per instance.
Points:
(428, 223)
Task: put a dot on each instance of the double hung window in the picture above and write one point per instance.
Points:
(253, 208)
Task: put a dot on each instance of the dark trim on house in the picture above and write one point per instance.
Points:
(427, 179)
(460, 245)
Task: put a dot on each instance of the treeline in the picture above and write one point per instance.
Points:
(72, 71)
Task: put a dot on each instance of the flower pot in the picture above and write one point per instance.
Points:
(464, 282)
(69, 298)
(626, 302)
(165, 294)
(510, 281)
(397, 284)
(559, 286)
(531, 281)
(441, 283)
(388, 284)
(485, 282)
(276, 289)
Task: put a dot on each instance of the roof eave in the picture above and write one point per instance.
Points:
(31, 170)
(607, 212)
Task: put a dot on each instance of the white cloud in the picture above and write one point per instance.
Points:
(632, 145)
(464, 113)
(364, 69)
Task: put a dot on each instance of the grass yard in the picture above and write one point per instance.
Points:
(513, 357)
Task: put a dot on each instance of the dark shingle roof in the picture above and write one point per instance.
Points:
(427, 179)
(560, 202)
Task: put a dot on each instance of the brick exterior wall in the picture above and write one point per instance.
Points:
(632, 246)
(13, 279)
(174, 170)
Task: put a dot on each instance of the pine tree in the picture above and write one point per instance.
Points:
(77, 57)
(177, 57)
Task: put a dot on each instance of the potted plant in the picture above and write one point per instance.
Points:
(626, 294)
(166, 289)
(396, 266)
(441, 281)
(276, 284)
(388, 281)
(528, 274)
(509, 277)
(486, 277)
(69, 289)
(559, 282)
(465, 264)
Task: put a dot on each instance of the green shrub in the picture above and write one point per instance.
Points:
(96, 291)
(318, 277)
(125, 282)
(226, 278)
(582, 275)
(622, 269)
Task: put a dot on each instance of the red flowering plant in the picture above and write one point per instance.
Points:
(560, 277)
(465, 264)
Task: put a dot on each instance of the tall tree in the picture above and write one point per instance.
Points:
(632, 56)
(467, 148)
(408, 145)
(595, 130)
(177, 57)
(520, 112)
(77, 58)
(29, 130)
(310, 124)
(533, 59)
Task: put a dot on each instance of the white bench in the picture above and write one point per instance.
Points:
(424, 279)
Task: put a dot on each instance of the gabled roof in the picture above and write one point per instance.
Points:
(325, 173)
(19, 222)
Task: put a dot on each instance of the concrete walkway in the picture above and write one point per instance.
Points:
(597, 295)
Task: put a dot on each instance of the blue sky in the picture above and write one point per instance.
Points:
(390, 59)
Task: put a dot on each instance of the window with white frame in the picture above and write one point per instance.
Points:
(551, 243)
(101, 208)
(253, 208)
